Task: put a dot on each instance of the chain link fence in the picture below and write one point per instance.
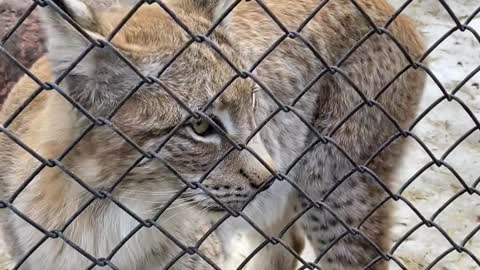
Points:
(460, 24)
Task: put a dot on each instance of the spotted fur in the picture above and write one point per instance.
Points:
(101, 81)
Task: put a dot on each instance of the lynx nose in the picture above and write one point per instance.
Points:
(254, 170)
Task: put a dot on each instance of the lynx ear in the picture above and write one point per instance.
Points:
(78, 11)
(90, 81)
(65, 43)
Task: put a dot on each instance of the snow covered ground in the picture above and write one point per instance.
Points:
(450, 62)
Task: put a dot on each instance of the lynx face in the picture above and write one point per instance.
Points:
(101, 80)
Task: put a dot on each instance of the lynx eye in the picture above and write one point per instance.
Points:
(202, 127)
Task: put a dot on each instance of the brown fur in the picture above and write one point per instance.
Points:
(49, 124)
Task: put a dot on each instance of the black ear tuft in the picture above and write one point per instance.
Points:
(78, 10)
(62, 6)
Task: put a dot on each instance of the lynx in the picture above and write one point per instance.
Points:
(296, 91)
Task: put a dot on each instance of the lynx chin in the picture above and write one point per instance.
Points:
(101, 81)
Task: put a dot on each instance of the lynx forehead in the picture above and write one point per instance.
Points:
(156, 114)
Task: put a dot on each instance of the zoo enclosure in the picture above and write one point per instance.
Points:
(314, 202)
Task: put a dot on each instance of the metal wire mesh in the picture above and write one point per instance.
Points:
(8, 203)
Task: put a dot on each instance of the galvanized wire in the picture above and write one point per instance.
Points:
(328, 68)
